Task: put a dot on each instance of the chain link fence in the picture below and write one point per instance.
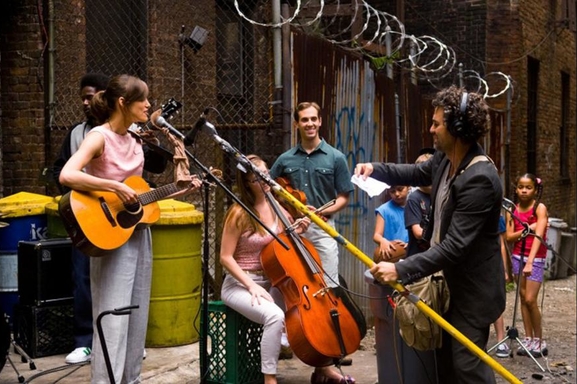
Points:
(201, 53)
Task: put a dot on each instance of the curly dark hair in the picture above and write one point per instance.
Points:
(96, 80)
(537, 183)
(476, 118)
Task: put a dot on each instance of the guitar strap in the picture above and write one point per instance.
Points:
(180, 160)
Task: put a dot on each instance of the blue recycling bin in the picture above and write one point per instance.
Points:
(23, 217)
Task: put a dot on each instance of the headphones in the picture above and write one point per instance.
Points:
(458, 126)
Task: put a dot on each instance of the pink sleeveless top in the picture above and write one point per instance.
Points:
(122, 157)
(528, 218)
(249, 247)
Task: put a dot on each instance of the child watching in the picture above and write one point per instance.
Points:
(390, 232)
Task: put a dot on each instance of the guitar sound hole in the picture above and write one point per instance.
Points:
(133, 208)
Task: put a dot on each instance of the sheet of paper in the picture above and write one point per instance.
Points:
(372, 187)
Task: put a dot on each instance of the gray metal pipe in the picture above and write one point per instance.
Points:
(399, 129)
(49, 95)
(286, 82)
(277, 44)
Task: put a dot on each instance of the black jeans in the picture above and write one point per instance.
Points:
(83, 328)
(457, 363)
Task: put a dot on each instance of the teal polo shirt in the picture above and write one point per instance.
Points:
(321, 174)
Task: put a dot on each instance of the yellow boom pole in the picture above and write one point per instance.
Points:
(421, 305)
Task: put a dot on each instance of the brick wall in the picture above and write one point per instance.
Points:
(487, 36)
(21, 98)
(532, 28)
(494, 35)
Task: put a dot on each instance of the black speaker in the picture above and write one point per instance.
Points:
(44, 271)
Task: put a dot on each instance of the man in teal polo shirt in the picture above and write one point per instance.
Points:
(322, 173)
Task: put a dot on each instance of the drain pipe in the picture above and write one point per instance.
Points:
(49, 95)
(508, 146)
(398, 121)
(277, 44)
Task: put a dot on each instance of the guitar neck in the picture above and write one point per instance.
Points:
(158, 193)
(147, 126)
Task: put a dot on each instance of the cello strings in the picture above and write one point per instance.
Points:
(316, 211)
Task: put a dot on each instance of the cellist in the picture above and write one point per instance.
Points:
(245, 288)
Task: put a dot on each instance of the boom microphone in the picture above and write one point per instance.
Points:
(191, 136)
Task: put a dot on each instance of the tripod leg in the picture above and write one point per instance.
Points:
(530, 354)
(20, 377)
(498, 343)
(24, 355)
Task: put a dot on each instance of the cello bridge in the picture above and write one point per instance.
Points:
(322, 292)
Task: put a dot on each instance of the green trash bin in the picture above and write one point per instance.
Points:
(173, 317)
(55, 226)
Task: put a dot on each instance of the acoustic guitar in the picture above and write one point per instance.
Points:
(98, 221)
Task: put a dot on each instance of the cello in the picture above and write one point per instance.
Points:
(320, 328)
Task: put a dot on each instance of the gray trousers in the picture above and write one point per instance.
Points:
(328, 251)
(271, 316)
(118, 280)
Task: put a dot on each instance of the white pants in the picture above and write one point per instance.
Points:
(121, 279)
(328, 251)
(236, 296)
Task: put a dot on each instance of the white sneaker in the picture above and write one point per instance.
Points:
(539, 348)
(503, 351)
(284, 340)
(79, 355)
(144, 354)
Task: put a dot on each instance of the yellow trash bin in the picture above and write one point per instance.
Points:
(173, 317)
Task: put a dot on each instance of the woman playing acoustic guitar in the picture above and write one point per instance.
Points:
(108, 155)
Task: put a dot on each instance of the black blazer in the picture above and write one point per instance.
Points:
(469, 252)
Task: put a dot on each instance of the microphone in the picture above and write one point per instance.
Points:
(161, 122)
(508, 203)
(191, 136)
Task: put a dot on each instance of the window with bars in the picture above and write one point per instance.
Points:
(116, 37)
(532, 100)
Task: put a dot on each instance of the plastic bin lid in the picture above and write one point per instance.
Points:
(557, 223)
(174, 212)
(52, 208)
(23, 204)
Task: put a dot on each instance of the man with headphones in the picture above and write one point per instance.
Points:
(463, 230)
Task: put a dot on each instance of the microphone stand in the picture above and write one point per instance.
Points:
(512, 332)
(206, 247)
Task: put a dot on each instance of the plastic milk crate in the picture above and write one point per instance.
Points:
(233, 344)
(45, 330)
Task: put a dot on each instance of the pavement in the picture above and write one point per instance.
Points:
(172, 365)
